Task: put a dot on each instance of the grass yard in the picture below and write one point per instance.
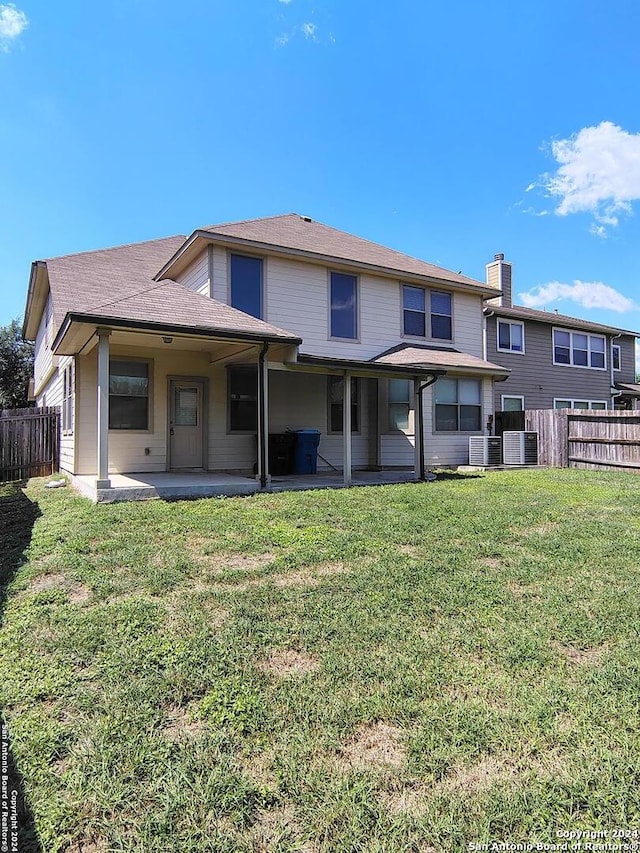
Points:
(398, 668)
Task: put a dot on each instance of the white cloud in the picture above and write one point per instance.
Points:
(588, 294)
(286, 2)
(282, 39)
(598, 173)
(309, 30)
(12, 23)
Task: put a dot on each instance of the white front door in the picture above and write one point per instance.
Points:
(186, 445)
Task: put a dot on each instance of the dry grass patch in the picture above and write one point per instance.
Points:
(78, 593)
(375, 745)
(491, 562)
(284, 663)
(523, 590)
(580, 657)
(88, 845)
(412, 801)
(410, 551)
(181, 725)
(275, 826)
(258, 767)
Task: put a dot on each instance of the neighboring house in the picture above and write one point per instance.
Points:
(555, 361)
(183, 354)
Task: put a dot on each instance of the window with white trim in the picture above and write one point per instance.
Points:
(399, 402)
(458, 406)
(510, 336)
(427, 313)
(128, 394)
(577, 349)
(67, 399)
(512, 404)
(579, 404)
(242, 389)
(336, 404)
(616, 357)
(343, 300)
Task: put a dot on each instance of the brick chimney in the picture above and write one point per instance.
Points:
(499, 276)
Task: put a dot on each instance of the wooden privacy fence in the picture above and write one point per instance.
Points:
(579, 438)
(29, 443)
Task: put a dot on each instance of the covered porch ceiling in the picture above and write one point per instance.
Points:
(81, 337)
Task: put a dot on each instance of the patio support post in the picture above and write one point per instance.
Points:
(418, 433)
(103, 481)
(263, 417)
(346, 428)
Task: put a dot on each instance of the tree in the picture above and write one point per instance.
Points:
(16, 366)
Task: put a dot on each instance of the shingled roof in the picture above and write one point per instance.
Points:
(117, 284)
(414, 355)
(519, 312)
(301, 235)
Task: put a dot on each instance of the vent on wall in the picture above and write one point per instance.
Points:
(520, 448)
(485, 450)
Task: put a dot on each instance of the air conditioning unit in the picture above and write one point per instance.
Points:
(485, 450)
(520, 448)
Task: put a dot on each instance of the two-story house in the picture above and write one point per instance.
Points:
(555, 361)
(184, 354)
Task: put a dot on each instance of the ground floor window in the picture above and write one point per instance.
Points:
(128, 394)
(512, 404)
(336, 404)
(458, 406)
(242, 387)
(579, 404)
(399, 402)
(68, 389)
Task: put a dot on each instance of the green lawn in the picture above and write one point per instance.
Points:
(400, 668)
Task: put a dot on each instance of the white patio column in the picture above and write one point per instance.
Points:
(346, 428)
(417, 430)
(103, 481)
(263, 418)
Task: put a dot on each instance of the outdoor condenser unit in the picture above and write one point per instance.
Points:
(520, 448)
(485, 450)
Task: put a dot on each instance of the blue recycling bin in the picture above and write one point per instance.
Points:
(305, 455)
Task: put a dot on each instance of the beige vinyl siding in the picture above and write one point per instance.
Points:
(297, 299)
(44, 361)
(196, 275)
(220, 287)
(534, 375)
(52, 395)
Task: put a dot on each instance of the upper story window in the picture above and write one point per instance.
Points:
(578, 349)
(510, 336)
(616, 357)
(426, 313)
(458, 405)
(128, 394)
(246, 284)
(343, 300)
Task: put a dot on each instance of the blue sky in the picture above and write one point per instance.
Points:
(450, 131)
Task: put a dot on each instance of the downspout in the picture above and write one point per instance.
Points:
(262, 420)
(485, 343)
(420, 425)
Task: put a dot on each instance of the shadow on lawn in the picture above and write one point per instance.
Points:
(18, 515)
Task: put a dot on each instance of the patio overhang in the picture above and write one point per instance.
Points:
(78, 335)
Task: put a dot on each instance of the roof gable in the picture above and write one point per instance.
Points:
(302, 236)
